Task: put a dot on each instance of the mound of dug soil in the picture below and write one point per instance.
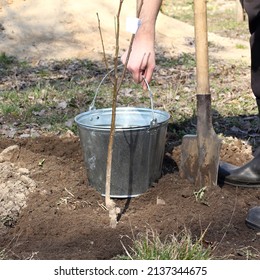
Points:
(15, 185)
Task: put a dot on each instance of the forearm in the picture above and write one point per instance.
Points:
(149, 9)
(148, 15)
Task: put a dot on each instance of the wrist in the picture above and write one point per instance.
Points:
(146, 30)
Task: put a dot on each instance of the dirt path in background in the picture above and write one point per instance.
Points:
(61, 29)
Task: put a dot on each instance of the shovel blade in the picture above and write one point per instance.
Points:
(200, 159)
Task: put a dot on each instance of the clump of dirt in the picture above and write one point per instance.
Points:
(236, 151)
(15, 186)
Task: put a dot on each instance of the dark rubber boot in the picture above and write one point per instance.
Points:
(247, 175)
(253, 218)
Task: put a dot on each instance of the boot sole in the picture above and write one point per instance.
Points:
(243, 185)
(252, 226)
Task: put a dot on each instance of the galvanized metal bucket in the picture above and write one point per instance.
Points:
(138, 148)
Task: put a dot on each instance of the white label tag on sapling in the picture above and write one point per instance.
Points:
(132, 24)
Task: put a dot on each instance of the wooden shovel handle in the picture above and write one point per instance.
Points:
(201, 45)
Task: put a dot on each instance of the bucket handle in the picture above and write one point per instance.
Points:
(153, 122)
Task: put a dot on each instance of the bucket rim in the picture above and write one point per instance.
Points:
(166, 117)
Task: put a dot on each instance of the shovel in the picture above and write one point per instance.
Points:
(200, 153)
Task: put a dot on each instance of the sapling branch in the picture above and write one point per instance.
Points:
(113, 210)
(102, 42)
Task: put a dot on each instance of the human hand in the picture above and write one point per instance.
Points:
(141, 61)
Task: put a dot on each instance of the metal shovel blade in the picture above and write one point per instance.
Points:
(200, 166)
(200, 153)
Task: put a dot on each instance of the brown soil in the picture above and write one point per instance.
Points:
(64, 217)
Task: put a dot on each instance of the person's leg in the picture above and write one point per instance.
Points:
(249, 174)
(253, 11)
